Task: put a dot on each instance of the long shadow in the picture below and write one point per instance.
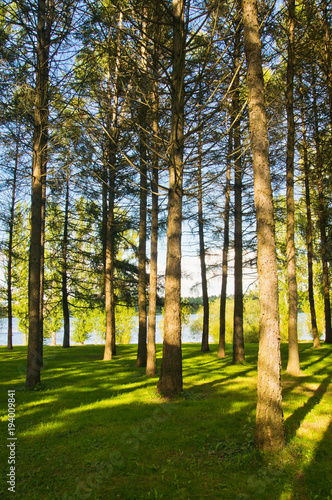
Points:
(304, 366)
(293, 422)
(317, 477)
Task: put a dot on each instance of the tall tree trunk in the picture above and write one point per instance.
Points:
(269, 416)
(322, 219)
(170, 382)
(142, 115)
(65, 307)
(306, 167)
(111, 148)
(223, 295)
(326, 283)
(151, 362)
(40, 140)
(327, 30)
(205, 334)
(10, 245)
(104, 193)
(293, 365)
(238, 341)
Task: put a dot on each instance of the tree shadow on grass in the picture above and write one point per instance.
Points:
(320, 467)
(305, 366)
(293, 422)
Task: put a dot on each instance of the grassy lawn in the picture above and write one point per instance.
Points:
(98, 430)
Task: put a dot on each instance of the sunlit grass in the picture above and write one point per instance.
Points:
(98, 430)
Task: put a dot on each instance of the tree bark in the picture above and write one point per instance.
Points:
(151, 362)
(327, 30)
(269, 433)
(10, 246)
(142, 118)
(223, 295)
(65, 307)
(170, 382)
(306, 168)
(238, 341)
(322, 219)
(293, 365)
(205, 334)
(40, 140)
(111, 148)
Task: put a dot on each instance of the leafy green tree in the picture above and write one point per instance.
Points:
(52, 323)
(82, 326)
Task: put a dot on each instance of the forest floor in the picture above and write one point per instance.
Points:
(97, 429)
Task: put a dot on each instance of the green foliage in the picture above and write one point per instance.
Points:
(90, 322)
(82, 327)
(250, 323)
(21, 268)
(52, 322)
(185, 313)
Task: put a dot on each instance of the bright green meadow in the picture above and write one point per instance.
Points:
(98, 430)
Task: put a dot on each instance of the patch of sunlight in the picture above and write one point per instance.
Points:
(105, 403)
(314, 427)
(28, 408)
(43, 428)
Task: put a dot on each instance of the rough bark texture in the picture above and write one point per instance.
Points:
(40, 138)
(205, 334)
(65, 307)
(328, 71)
(151, 362)
(170, 382)
(270, 433)
(223, 295)
(111, 148)
(306, 168)
(326, 283)
(293, 365)
(110, 349)
(142, 119)
(238, 341)
(322, 220)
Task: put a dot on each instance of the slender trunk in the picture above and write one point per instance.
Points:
(10, 246)
(151, 362)
(170, 382)
(270, 432)
(104, 179)
(110, 349)
(306, 167)
(238, 341)
(42, 261)
(40, 139)
(322, 220)
(327, 30)
(205, 334)
(53, 343)
(223, 295)
(142, 332)
(65, 307)
(293, 365)
(111, 148)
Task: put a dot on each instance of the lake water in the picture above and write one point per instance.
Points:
(187, 337)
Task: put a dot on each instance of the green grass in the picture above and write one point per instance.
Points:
(98, 430)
